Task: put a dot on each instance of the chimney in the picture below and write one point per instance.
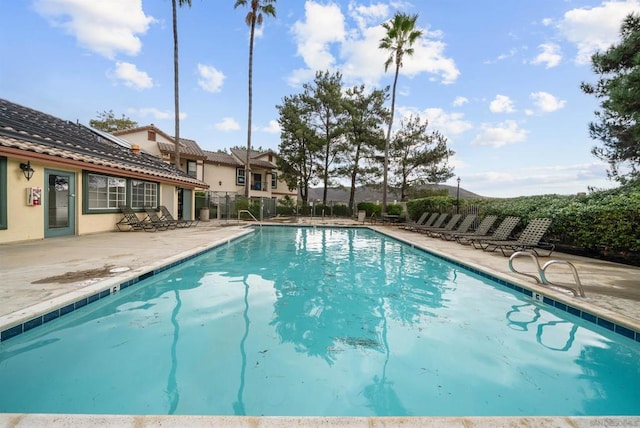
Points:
(135, 149)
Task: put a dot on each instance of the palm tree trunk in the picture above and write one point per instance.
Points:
(387, 143)
(176, 106)
(247, 167)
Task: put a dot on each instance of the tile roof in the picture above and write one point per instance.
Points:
(187, 147)
(29, 130)
(242, 155)
(222, 158)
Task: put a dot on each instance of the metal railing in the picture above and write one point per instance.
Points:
(542, 272)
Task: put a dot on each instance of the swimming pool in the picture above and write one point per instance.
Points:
(319, 322)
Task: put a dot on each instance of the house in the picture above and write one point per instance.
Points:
(264, 180)
(63, 178)
(157, 142)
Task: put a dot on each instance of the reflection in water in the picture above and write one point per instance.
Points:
(522, 325)
(238, 406)
(381, 396)
(172, 385)
(570, 339)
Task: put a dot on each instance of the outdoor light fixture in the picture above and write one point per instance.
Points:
(220, 183)
(27, 170)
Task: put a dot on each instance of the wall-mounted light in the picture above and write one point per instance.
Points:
(220, 183)
(27, 170)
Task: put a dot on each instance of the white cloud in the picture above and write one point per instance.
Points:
(132, 77)
(460, 101)
(595, 29)
(572, 178)
(323, 25)
(326, 42)
(210, 79)
(447, 123)
(501, 104)
(105, 27)
(546, 102)
(550, 55)
(155, 113)
(227, 124)
(505, 133)
(272, 128)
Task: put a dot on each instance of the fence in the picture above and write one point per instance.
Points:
(225, 205)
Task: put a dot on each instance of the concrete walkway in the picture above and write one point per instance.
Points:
(34, 276)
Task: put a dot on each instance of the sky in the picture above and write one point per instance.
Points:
(500, 79)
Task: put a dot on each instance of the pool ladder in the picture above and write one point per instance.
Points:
(541, 272)
(251, 215)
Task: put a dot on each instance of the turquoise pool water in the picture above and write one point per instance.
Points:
(305, 321)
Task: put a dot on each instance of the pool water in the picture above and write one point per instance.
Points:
(319, 321)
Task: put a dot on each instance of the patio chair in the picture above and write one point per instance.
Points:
(463, 227)
(482, 230)
(503, 231)
(409, 225)
(166, 215)
(438, 222)
(152, 217)
(130, 222)
(529, 240)
(449, 226)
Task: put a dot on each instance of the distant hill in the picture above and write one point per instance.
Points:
(373, 193)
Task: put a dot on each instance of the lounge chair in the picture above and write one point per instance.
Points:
(439, 221)
(463, 227)
(167, 216)
(409, 225)
(154, 218)
(130, 222)
(482, 230)
(503, 231)
(449, 226)
(529, 240)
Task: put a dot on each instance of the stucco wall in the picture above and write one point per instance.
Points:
(27, 222)
(24, 222)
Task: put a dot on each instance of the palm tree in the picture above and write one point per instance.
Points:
(176, 98)
(401, 35)
(253, 18)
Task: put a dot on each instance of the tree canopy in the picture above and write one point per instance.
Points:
(108, 122)
(617, 124)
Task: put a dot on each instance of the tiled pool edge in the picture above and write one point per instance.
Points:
(141, 421)
(12, 325)
(630, 330)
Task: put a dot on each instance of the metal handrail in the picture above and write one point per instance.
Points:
(542, 272)
(251, 215)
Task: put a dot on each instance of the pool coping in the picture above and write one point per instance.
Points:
(138, 421)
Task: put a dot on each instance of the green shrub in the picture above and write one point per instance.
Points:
(394, 209)
(370, 208)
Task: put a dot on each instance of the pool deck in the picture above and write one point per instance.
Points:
(38, 276)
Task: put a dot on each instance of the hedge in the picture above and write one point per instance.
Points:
(602, 223)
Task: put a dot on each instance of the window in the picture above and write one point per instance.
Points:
(240, 176)
(3, 193)
(274, 180)
(105, 192)
(144, 194)
(192, 170)
(151, 135)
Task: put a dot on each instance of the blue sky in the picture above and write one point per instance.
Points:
(499, 78)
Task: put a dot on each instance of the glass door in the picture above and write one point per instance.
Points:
(59, 203)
